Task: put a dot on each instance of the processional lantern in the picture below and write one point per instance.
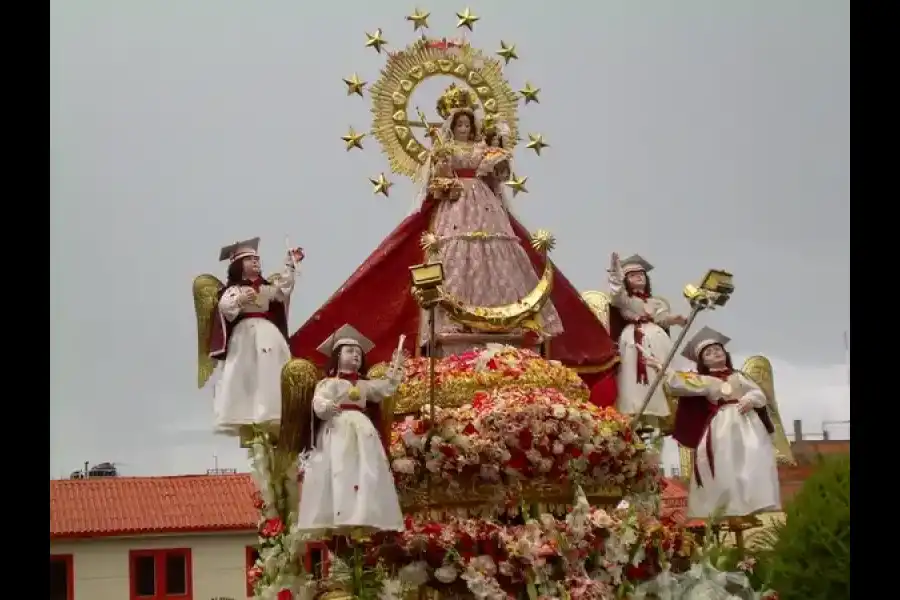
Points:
(426, 282)
(715, 289)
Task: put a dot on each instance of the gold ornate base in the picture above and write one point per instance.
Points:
(483, 500)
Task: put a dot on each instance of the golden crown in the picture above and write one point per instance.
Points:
(455, 98)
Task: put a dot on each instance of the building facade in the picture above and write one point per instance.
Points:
(152, 538)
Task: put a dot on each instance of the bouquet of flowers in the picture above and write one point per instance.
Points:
(276, 574)
(519, 436)
(590, 554)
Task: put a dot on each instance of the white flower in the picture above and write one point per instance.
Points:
(446, 574)
(415, 574)
(391, 589)
(404, 465)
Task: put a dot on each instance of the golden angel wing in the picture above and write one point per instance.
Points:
(298, 385)
(378, 371)
(599, 304)
(206, 296)
(759, 369)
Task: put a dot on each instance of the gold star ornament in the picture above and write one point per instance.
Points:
(381, 185)
(507, 53)
(374, 40)
(530, 93)
(536, 142)
(353, 139)
(355, 85)
(466, 19)
(516, 184)
(419, 19)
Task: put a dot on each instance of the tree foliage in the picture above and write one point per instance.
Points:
(809, 554)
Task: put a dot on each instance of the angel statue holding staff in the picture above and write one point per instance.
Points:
(639, 322)
(484, 261)
(724, 417)
(348, 485)
(243, 325)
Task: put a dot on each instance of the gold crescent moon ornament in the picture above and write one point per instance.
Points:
(523, 314)
(424, 59)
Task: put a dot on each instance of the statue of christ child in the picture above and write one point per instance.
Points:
(348, 485)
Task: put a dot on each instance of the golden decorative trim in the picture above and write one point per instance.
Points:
(598, 368)
(481, 498)
(419, 61)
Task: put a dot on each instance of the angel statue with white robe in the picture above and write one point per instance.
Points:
(639, 321)
(348, 486)
(242, 325)
(731, 427)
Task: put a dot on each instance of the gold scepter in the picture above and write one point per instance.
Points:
(714, 291)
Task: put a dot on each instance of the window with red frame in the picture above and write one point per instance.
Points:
(62, 577)
(317, 559)
(161, 574)
(252, 555)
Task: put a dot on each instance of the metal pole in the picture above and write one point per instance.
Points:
(695, 310)
(432, 363)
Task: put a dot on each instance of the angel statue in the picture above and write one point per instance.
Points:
(485, 263)
(639, 322)
(725, 418)
(243, 325)
(348, 485)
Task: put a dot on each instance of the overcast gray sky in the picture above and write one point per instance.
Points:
(698, 133)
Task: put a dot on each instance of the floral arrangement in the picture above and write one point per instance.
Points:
(515, 438)
(460, 376)
(277, 573)
(589, 554)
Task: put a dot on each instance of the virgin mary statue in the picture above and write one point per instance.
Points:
(471, 233)
(461, 218)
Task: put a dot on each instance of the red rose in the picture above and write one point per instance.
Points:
(272, 527)
(285, 594)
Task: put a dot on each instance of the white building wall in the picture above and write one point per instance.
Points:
(218, 560)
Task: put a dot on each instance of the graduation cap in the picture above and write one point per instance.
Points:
(635, 263)
(347, 335)
(704, 338)
(239, 250)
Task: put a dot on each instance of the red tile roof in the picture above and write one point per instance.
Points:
(673, 500)
(119, 506)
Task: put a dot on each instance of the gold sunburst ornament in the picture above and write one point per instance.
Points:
(429, 242)
(479, 74)
(543, 241)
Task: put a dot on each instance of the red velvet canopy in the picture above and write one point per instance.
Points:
(377, 301)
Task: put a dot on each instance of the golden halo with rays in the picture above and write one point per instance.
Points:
(424, 59)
